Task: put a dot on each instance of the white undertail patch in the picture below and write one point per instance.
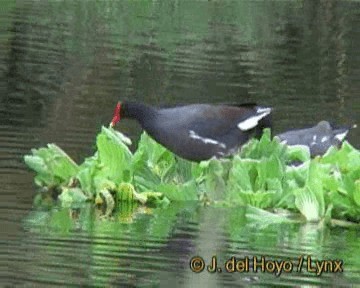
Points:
(205, 140)
(341, 136)
(253, 120)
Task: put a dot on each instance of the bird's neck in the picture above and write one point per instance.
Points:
(141, 112)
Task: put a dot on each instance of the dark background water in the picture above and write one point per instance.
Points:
(64, 65)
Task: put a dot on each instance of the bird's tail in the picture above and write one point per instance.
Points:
(341, 133)
(258, 120)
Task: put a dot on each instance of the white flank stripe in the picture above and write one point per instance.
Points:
(193, 135)
(314, 138)
(252, 121)
(341, 136)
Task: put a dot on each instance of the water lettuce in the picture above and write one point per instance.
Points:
(263, 175)
(53, 166)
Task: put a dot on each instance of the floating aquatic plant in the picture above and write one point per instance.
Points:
(261, 175)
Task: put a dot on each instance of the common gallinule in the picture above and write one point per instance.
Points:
(318, 138)
(199, 131)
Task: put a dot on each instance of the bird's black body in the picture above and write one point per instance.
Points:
(199, 131)
(318, 138)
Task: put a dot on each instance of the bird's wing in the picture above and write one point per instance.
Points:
(217, 121)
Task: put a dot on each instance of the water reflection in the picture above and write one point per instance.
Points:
(63, 65)
(158, 244)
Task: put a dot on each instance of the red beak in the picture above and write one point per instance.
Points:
(116, 117)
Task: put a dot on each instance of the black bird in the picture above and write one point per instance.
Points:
(198, 131)
(318, 138)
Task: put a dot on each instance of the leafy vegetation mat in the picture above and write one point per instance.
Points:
(266, 175)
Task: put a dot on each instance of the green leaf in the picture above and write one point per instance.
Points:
(347, 158)
(269, 168)
(298, 174)
(114, 156)
(315, 184)
(184, 192)
(153, 155)
(263, 148)
(308, 205)
(357, 193)
(297, 153)
(239, 178)
(260, 199)
(72, 197)
(215, 178)
(87, 173)
(52, 165)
